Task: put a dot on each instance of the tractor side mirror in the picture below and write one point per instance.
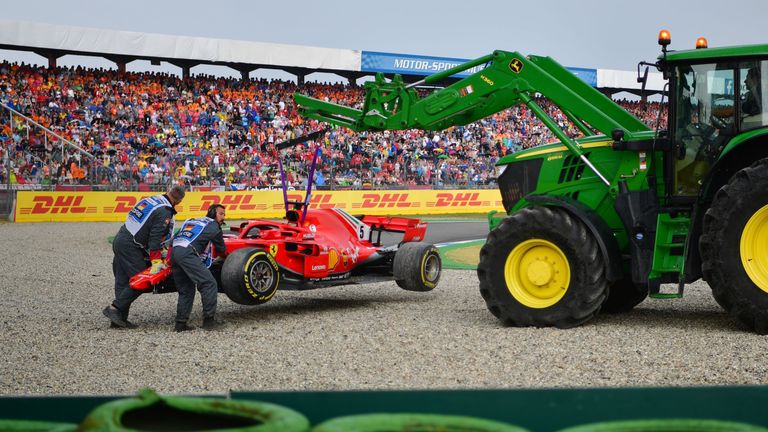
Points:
(643, 80)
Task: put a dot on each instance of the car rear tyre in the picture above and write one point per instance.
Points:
(417, 267)
(734, 246)
(542, 267)
(250, 276)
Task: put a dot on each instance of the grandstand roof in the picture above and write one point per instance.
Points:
(91, 41)
(125, 46)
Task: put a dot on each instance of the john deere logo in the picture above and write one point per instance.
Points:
(273, 249)
(516, 65)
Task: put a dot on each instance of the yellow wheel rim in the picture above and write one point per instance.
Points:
(537, 273)
(754, 248)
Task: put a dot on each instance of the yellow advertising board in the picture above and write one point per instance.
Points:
(33, 206)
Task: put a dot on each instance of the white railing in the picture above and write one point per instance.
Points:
(47, 131)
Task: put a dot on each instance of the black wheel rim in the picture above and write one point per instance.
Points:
(262, 276)
(431, 268)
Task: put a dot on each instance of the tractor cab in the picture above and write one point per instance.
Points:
(704, 121)
(712, 104)
(715, 96)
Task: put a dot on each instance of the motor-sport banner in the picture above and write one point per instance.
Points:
(407, 64)
(34, 206)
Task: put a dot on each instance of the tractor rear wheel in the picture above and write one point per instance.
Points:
(542, 267)
(734, 246)
(250, 276)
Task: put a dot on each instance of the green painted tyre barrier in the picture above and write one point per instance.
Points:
(35, 426)
(413, 423)
(150, 411)
(667, 425)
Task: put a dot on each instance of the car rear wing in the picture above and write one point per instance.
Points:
(413, 230)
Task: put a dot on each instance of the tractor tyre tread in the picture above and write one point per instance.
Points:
(588, 286)
(719, 246)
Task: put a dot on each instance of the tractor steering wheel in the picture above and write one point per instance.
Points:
(718, 122)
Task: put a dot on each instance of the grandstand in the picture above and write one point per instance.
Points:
(116, 130)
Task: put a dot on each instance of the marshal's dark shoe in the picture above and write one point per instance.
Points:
(115, 316)
(212, 324)
(182, 326)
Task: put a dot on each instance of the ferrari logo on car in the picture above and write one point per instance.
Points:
(273, 249)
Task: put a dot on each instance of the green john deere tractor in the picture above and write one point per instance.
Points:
(599, 223)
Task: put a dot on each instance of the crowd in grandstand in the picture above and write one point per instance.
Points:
(152, 129)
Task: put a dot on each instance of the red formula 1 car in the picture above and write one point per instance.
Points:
(315, 248)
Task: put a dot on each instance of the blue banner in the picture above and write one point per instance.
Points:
(589, 76)
(407, 64)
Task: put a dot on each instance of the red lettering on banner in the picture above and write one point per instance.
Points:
(62, 204)
(208, 200)
(318, 200)
(231, 202)
(295, 198)
(246, 204)
(468, 199)
(124, 204)
(321, 201)
(385, 200)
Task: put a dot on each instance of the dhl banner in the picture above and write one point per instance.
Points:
(32, 206)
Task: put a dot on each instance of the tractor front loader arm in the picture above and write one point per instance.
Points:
(507, 79)
(328, 112)
(391, 104)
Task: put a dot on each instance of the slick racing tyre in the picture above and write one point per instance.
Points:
(734, 246)
(417, 267)
(542, 267)
(250, 276)
(413, 422)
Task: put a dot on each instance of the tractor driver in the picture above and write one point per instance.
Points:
(752, 103)
(191, 259)
(148, 226)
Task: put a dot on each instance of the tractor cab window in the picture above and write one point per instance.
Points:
(753, 94)
(704, 121)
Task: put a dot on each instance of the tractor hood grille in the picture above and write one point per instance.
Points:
(518, 180)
